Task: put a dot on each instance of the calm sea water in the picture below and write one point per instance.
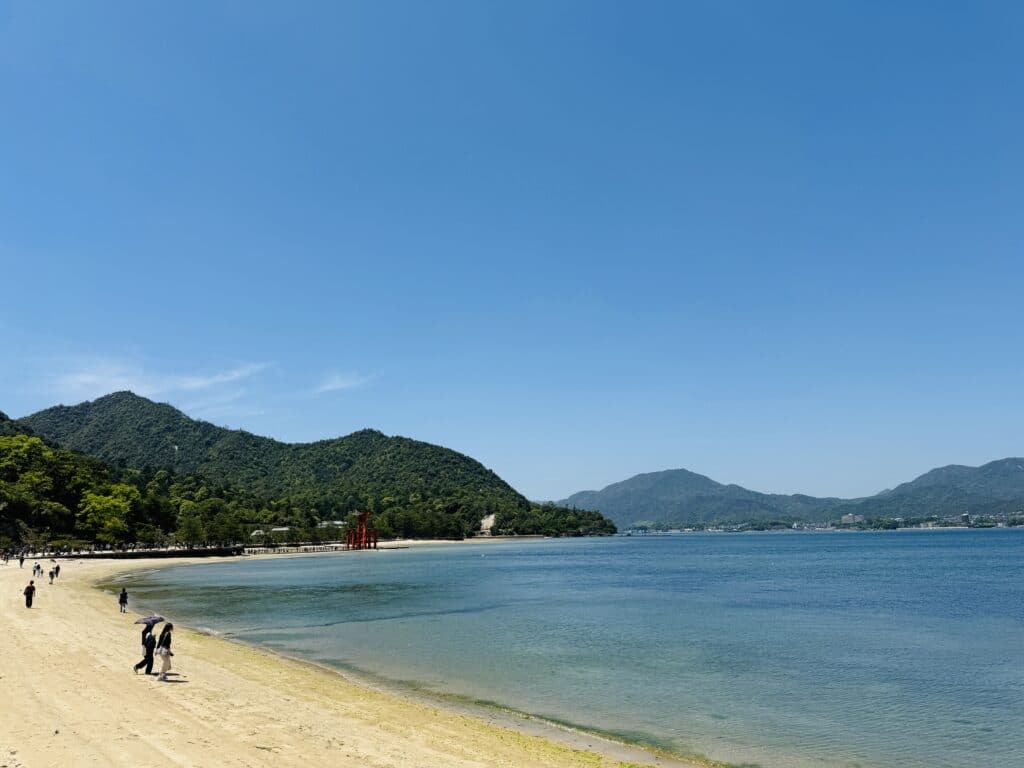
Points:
(890, 649)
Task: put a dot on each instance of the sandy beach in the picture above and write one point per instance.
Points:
(70, 698)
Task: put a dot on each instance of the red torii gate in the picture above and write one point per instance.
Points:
(362, 536)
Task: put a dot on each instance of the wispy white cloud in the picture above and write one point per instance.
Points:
(231, 415)
(192, 383)
(226, 407)
(99, 378)
(213, 401)
(95, 378)
(337, 382)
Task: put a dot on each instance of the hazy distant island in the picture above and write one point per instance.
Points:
(985, 496)
(125, 469)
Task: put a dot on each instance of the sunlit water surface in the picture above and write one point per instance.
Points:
(890, 649)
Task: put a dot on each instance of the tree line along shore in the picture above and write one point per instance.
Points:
(52, 498)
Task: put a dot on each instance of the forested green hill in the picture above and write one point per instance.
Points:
(993, 488)
(415, 489)
(58, 497)
(9, 427)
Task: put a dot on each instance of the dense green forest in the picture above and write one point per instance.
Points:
(552, 520)
(414, 490)
(124, 429)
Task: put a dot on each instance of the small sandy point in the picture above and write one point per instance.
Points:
(70, 698)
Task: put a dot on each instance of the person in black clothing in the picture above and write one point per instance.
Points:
(29, 593)
(163, 649)
(122, 600)
(148, 646)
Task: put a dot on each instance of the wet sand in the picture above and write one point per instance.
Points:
(70, 698)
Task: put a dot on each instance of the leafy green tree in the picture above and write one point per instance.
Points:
(224, 528)
(105, 515)
(190, 530)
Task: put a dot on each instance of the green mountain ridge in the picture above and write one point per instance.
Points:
(414, 488)
(681, 497)
(125, 429)
(420, 489)
(9, 427)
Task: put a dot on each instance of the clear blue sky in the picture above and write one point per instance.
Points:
(781, 244)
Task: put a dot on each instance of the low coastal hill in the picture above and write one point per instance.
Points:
(678, 496)
(128, 430)
(415, 488)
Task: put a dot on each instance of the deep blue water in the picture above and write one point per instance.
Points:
(889, 649)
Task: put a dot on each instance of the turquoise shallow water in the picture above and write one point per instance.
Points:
(782, 650)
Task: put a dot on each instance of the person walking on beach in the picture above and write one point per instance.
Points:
(29, 593)
(51, 575)
(163, 650)
(56, 570)
(21, 561)
(148, 646)
(122, 600)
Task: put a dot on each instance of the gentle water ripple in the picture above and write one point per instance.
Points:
(896, 649)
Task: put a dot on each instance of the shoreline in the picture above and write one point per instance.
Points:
(630, 753)
(271, 708)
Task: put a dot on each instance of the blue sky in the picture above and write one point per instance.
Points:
(776, 243)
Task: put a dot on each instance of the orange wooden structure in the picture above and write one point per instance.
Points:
(362, 536)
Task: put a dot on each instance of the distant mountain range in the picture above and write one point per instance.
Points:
(678, 496)
(407, 476)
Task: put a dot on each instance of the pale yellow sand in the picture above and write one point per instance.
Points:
(68, 698)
